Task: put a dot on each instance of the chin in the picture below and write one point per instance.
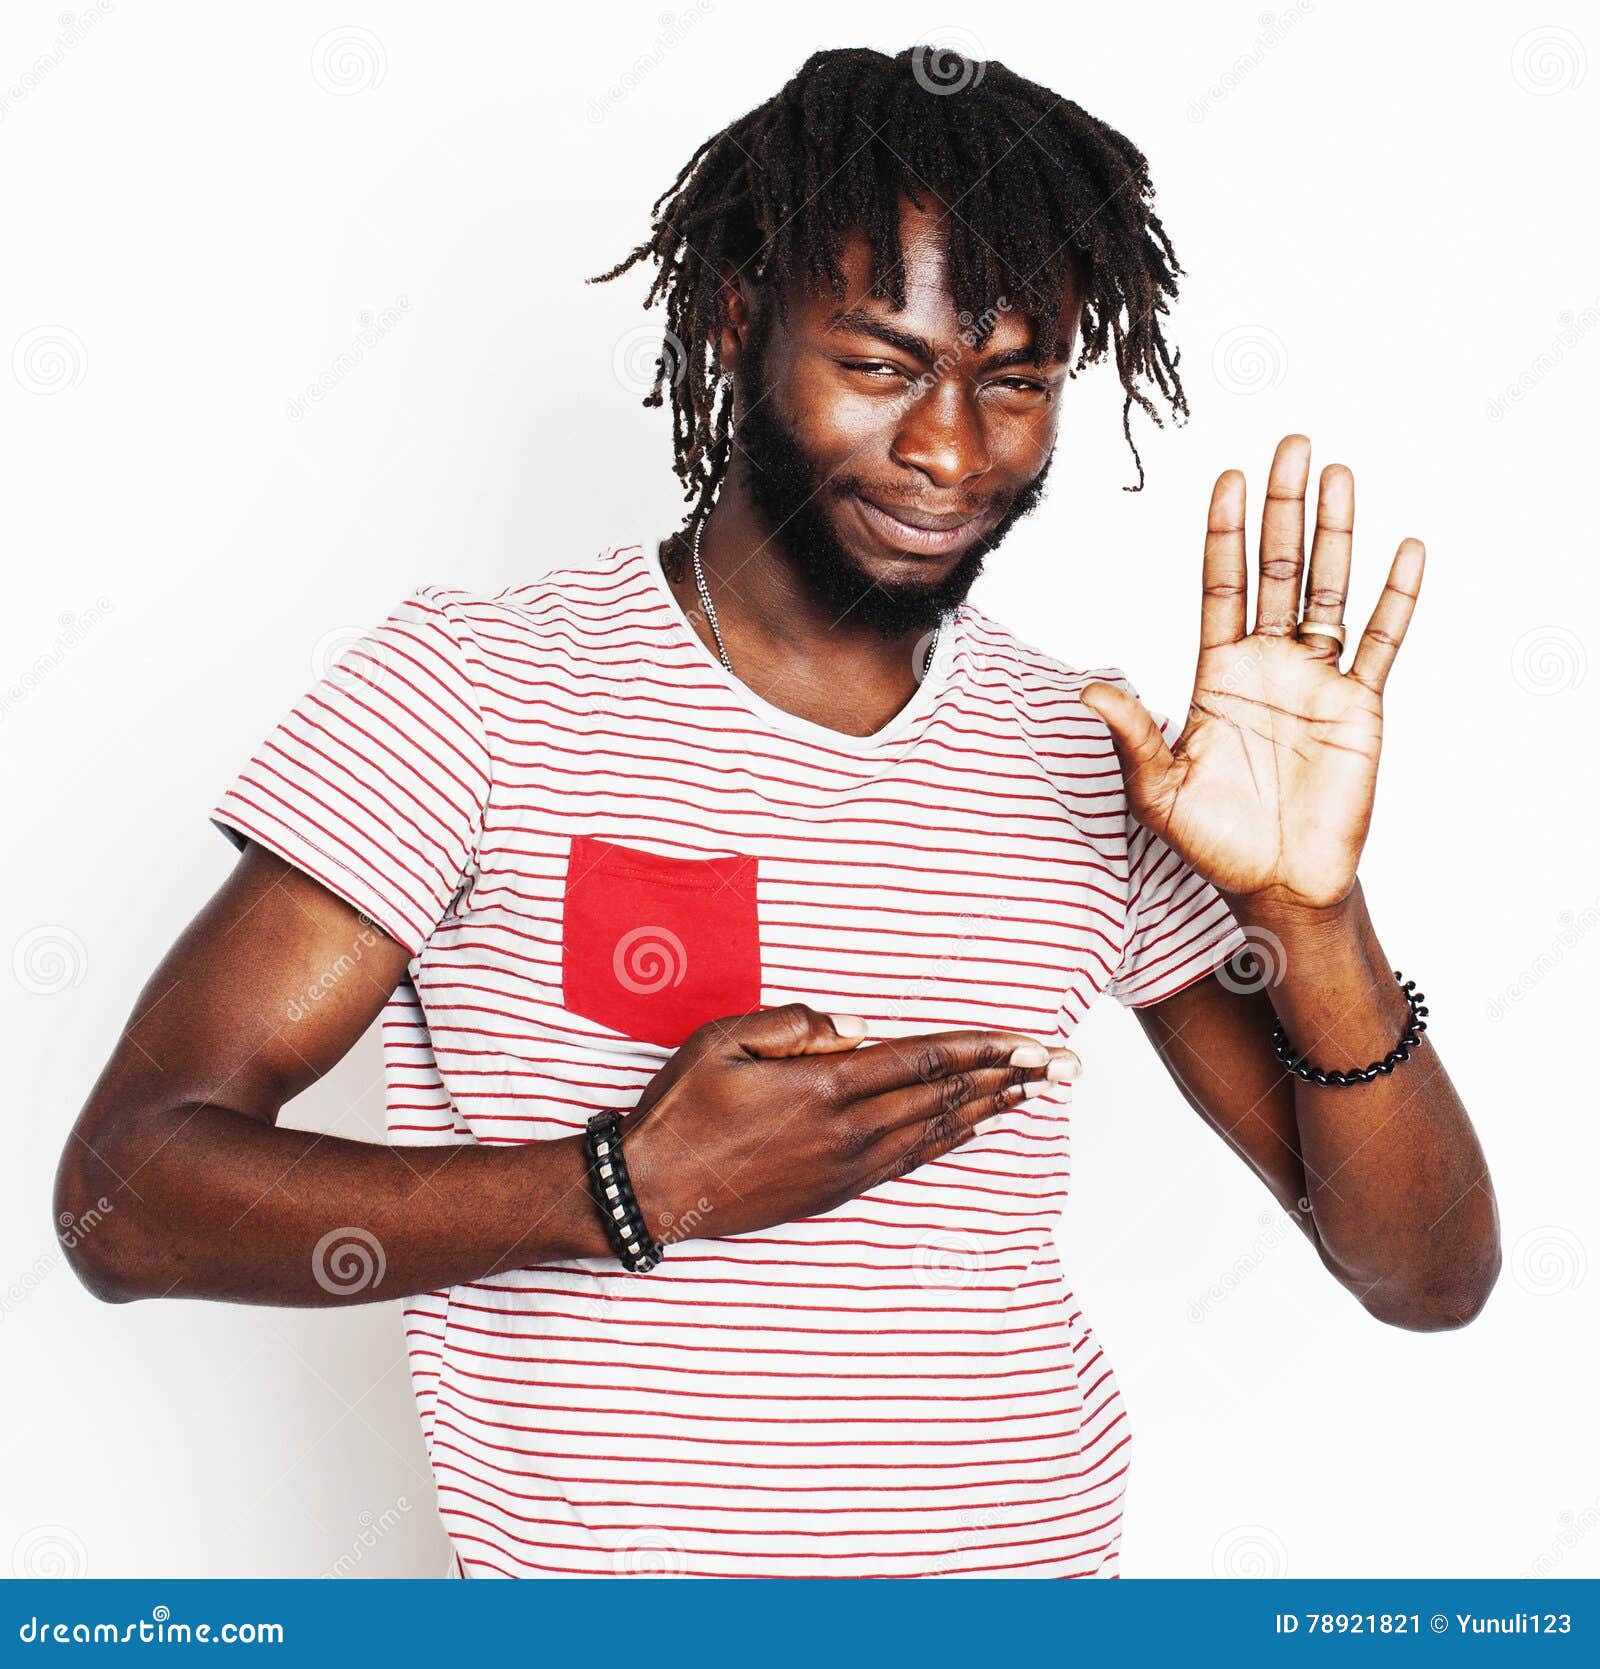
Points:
(882, 563)
(903, 570)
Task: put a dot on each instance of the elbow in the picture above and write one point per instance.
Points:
(89, 1234)
(1440, 1305)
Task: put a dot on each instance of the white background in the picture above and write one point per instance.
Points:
(1386, 215)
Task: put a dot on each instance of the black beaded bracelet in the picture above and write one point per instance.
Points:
(612, 1193)
(1409, 1039)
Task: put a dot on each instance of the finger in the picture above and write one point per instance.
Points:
(920, 1140)
(1283, 534)
(1386, 630)
(947, 1097)
(789, 1030)
(1148, 768)
(1223, 580)
(927, 1058)
(1328, 582)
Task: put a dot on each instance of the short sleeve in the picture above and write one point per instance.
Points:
(376, 782)
(1178, 926)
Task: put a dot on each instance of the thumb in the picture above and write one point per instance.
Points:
(794, 1029)
(1141, 749)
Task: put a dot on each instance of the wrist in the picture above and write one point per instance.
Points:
(582, 1234)
(655, 1187)
(1293, 920)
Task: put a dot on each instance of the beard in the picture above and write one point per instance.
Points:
(790, 493)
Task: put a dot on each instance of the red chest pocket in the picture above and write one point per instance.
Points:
(652, 947)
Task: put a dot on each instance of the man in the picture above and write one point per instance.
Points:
(767, 840)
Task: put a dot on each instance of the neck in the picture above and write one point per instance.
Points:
(784, 641)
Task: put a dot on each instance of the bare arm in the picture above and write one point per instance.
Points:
(1387, 1177)
(777, 1115)
(210, 1199)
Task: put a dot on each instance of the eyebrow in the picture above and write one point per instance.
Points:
(861, 323)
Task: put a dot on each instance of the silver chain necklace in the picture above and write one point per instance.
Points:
(710, 608)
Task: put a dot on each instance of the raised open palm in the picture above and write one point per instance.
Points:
(1268, 792)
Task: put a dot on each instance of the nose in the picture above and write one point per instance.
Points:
(941, 436)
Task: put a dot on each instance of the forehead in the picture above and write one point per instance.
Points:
(930, 309)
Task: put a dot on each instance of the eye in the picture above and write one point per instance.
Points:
(1021, 385)
(878, 369)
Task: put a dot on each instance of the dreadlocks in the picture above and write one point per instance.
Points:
(1040, 195)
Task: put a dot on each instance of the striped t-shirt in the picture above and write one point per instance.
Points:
(592, 838)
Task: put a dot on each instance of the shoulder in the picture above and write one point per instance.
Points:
(1038, 685)
(575, 601)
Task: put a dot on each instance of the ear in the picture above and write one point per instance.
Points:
(736, 309)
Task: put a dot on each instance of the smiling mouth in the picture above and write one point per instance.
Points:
(916, 533)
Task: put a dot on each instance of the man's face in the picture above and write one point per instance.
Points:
(887, 452)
